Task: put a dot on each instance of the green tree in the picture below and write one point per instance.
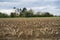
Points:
(13, 14)
(24, 9)
(20, 13)
(3, 15)
(14, 7)
(38, 14)
(47, 14)
(29, 13)
(23, 12)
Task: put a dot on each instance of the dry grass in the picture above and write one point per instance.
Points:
(29, 28)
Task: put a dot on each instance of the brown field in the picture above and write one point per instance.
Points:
(30, 28)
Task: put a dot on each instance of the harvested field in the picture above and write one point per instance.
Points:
(29, 28)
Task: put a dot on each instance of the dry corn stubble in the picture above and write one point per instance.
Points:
(29, 28)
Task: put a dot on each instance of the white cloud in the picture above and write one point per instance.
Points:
(43, 7)
(7, 11)
(37, 8)
(48, 8)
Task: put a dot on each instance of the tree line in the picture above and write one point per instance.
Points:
(29, 13)
(3, 15)
(26, 13)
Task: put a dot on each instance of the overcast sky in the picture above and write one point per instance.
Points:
(52, 6)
